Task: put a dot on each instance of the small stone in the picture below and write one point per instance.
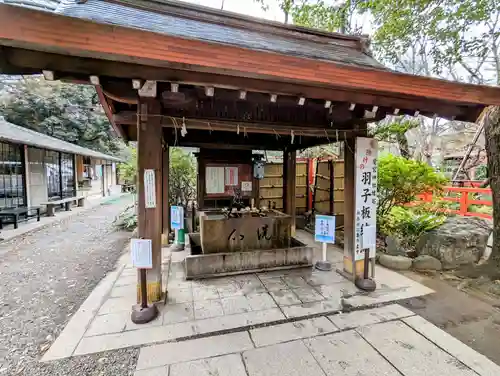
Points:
(426, 262)
(102, 360)
(395, 262)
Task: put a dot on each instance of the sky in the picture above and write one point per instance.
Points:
(247, 7)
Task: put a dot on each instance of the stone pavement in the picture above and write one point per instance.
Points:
(219, 305)
(388, 340)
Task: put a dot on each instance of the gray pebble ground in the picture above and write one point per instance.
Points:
(44, 277)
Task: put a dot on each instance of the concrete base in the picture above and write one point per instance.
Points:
(220, 264)
(367, 284)
(324, 266)
(143, 315)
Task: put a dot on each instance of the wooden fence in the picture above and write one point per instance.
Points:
(462, 195)
(319, 186)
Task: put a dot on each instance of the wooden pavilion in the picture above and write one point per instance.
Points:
(232, 82)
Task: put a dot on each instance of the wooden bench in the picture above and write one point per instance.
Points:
(51, 205)
(16, 215)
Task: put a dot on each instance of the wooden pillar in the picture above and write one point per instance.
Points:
(349, 205)
(164, 184)
(149, 157)
(331, 165)
(256, 190)
(201, 181)
(308, 177)
(289, 178)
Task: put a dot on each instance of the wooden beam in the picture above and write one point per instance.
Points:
(107, 110)
(149, 157)
(35, 61)
(128, 117)
(289, 185)
(37, 30)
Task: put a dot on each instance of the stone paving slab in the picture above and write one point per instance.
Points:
(106, 324)
(411, 353)
(176, 352)
(347, 354)
(158, 371)
(237, 321)
(370, 316)
(226, 365)
(291, 331)
(307, 309)
(290, 359)
(471, 358)
(89, 345)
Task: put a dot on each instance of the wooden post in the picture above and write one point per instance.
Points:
(349, 206)
(308, 177)
(331, 166)
(164, 184)
(149, 156)
(256, 191)
(201, 181)
(464, 203)
(285, 174)
(289, 179)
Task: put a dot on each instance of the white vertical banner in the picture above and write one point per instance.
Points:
(365, 200)
(149, 188)
(231, 176)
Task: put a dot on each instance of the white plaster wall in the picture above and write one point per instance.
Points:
(36, 177)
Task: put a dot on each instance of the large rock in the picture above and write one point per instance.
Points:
(395, 262)
(426, 262)
(393, 246)
(458, 241)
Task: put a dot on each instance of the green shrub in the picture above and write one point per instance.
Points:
(436, 206)
(127, 219)
(407, 225)
(400, 180)
(484, 209)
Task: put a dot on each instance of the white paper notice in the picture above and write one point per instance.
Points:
(231, 175)
(141, 253)
(214, 180)
(149, 188)
(246, 186)
(369, 237)
(365, 222)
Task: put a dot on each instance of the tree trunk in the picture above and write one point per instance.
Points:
(403, 145)
(491, 121)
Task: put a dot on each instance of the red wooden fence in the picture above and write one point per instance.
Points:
(463, 197)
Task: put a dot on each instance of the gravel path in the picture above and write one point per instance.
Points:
(44, 278)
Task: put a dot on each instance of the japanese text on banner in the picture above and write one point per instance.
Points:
(366, 197)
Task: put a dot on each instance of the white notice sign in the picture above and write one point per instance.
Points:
(324, 229)
(365, 222)
(246, 186)
(214, 180)
(149, 188)
(142, 253)
(176, 217)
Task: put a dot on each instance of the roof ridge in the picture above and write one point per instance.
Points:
(233, 19)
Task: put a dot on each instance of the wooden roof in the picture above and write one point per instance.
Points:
(199, 47)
